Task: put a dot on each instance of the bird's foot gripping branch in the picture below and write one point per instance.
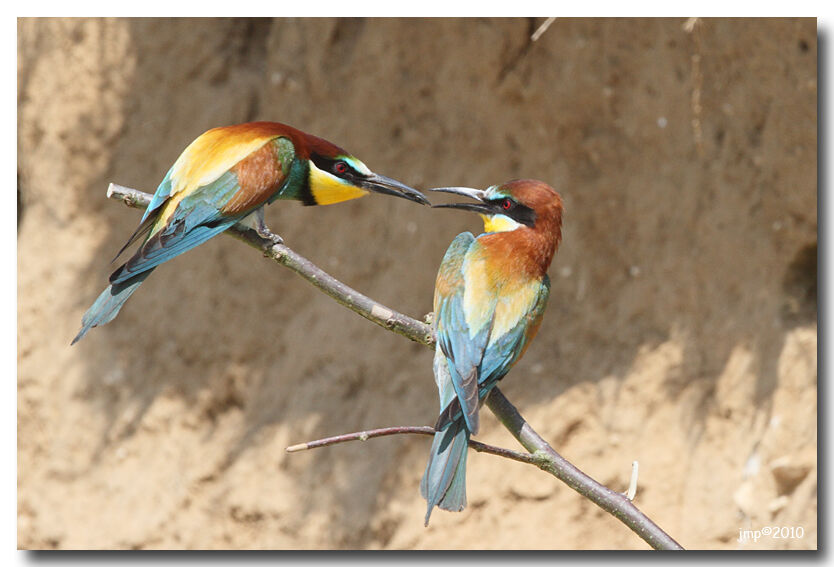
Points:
(540, 453)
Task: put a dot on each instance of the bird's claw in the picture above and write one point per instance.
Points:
(257, 222)
(264, 232)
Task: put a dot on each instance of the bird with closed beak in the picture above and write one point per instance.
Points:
(228, 175)
(490, 296)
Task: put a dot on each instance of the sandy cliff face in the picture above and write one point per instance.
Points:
(681, 330)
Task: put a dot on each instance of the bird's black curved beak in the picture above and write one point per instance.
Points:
(477, 194)
(387, 186)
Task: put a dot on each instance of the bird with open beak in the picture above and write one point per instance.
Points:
(228, 175)
(490, 296)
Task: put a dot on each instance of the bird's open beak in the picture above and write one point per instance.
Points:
(477, 194)
(387, 186)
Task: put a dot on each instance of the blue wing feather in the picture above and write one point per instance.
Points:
(196, 220)
(500, 355)
(503, 353)
(463, 353)
(161, 195)
(151, 213)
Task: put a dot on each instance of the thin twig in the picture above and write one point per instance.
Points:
(542, 454)
(542, 28)
(692, 26)
(361, 436)
(632, 485)
(408, 429)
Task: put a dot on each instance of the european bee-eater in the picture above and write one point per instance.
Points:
(222, 177)
(489, 299)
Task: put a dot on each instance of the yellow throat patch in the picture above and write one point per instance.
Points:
(499, 223)
(328, 189)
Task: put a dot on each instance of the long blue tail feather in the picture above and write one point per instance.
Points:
(444, 482)
(108, 304)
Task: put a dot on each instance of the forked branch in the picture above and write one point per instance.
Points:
(540, 453)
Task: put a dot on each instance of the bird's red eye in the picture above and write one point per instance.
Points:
(341, 167)
(506, 204)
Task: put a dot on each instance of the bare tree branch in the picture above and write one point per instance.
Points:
(615, 503)
(406, 429)
(541, 453)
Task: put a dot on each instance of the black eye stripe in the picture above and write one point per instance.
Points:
(330, 165)
(518, 212)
